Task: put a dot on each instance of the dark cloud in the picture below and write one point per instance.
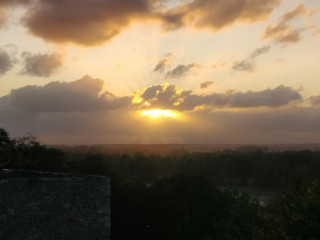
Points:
(206, 84)
(85, 22)
(41, 65)
(283, 32)
(82, 95)
(93, 22)
(248, 64)
(172, 20)
(181, 70)
(5, 62)
(170, 97)
(315, 100)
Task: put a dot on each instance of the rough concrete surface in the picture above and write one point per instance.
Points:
(50, 206)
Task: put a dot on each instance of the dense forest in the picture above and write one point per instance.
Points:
(193, 195)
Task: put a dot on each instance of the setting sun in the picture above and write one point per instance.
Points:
(156, 113)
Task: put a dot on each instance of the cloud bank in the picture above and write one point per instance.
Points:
(83, 95)
(82, 112)
(168, 96)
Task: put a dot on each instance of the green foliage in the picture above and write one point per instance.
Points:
(27, 153)
(6, 149)
(295, 213)
(4, 133)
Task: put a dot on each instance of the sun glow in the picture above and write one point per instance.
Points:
(157, 113)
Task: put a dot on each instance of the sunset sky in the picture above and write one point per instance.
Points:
(161, 71)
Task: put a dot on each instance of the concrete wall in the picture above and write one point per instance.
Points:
(50, 206)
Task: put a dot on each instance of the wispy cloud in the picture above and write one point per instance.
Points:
(41, 65)
(181, 70)
(248, 64)
(163, 63)
(283, 32)
(9, 3)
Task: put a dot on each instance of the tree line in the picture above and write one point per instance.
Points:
(179, 196)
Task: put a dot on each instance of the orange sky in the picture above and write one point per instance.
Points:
(164, 71)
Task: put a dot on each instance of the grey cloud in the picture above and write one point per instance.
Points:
(279, 96)
(315, 100)
(5, 62)
(77, 96)
(181, 70)
(217, 14)
(206, 84)
(169, 96)
(41, 65)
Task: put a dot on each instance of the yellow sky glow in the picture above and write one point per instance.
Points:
(158, 113)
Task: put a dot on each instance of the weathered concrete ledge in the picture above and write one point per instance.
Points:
(54, 206)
